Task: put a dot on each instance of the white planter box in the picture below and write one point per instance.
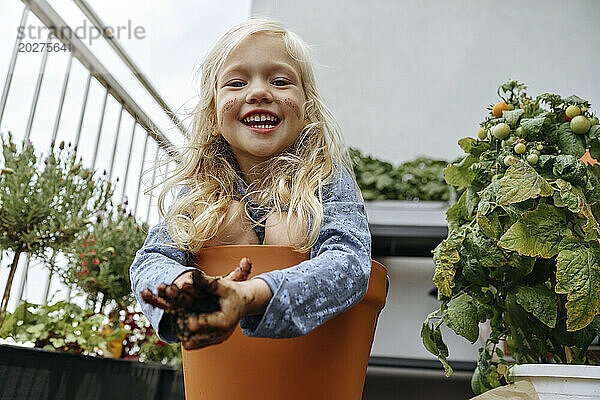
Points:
(561, 381)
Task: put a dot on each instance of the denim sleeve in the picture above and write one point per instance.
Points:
(155, 263)
(335, 277)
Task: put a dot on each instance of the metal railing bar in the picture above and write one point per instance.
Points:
(152, 185)
(13, 62)
(137, 195)
(128, 160)
(38, 86)
(62, 98)
(83, 106)
(49, 279)
(23, 279)
(95, 19)
(100, 129)
(114, 150)
(46, 14)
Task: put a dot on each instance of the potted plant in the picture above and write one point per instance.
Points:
(44, 206)
(419, 179)
(62, 326)
(522, 250)
(99, 260)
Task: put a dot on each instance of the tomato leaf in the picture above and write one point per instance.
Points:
(537, 234)
(461, 316)
(594, 133)
(512, 117)
(571, 169)
(473, 146)
(445, 257)
(532, 126)
(432, 340)
(569, 142)
(460, 175)
(484, 249)
(540, 301)
(522, 182)
(578, 276)
(595, 146)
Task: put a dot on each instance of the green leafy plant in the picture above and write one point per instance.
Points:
(419, 179)
(62, 326)
(141, 343)
(44, 206)
(101, 256)
(522, 252)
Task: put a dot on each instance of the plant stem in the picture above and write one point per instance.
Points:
(568, 354)
(6, 296)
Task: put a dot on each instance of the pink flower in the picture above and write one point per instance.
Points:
(82, 256)
(82, 264)
(83, 245)
(96, 261)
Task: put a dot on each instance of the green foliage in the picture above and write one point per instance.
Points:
(143, 344)
(522, 250)
(63, 326)
(100, 258)
(45, 205)
(420, 179)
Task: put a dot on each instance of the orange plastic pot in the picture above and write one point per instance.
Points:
(328, 363)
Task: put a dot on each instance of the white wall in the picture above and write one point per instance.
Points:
(406, 78)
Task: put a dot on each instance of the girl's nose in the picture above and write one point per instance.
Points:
(259, 92)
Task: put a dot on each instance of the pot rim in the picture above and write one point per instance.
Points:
(556, 371)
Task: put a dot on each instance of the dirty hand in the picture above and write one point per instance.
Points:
(205, 309)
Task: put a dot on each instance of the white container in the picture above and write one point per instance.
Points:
(560, 381)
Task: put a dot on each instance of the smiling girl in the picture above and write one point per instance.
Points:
(265, 164)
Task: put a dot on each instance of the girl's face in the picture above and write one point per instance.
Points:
(260, 101)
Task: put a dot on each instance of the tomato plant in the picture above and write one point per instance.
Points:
(522, 252)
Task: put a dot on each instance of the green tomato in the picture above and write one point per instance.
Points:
(594, 121)
(501, 131)
(510, 160)
(572, 111)
(482, 134)
(532, 158)
(540, 147)
(520, 148)
(580, 125)
(536, 152)
(520, 132)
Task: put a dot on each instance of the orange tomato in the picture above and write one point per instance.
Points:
(499, 108)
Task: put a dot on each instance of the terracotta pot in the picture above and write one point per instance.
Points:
(328, 363)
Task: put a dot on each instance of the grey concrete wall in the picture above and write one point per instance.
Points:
(407, 78)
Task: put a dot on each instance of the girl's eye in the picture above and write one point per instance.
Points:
(235, 84)
(280, 82)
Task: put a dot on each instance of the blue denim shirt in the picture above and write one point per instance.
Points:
(304, 296)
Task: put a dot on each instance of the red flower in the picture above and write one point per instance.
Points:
(92, 252)
(83, 264)
(83, 245)
(82, 256)
(96, 261)
(86, 271)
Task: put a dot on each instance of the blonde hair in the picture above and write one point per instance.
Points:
(292, 180)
